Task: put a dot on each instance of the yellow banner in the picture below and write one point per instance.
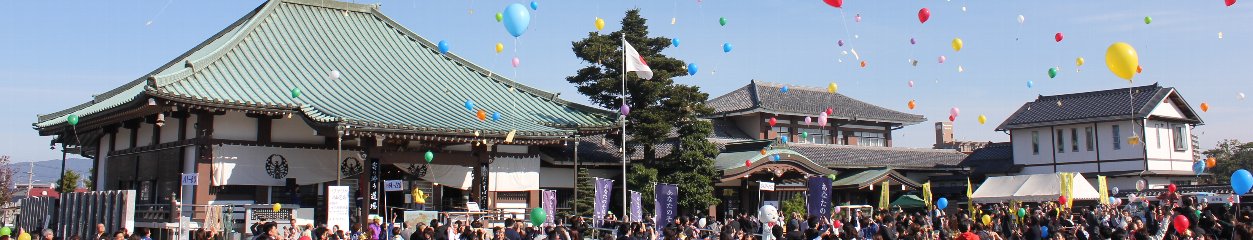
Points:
(926, 194)
(970, 202)
(1104, 189)
(884, 198)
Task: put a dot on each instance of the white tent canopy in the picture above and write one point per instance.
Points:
(1031, 188)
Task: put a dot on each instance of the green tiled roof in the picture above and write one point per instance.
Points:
(866, 178)
(391, 79)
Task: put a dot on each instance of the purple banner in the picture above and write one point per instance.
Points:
(819, 201)
(603, 189)
(667, 204)
(637, 211)
(550, 205)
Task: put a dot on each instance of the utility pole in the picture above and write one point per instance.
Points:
(30, 178)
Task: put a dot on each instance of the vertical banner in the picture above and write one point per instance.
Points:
(970, 203)
(926, 194)
(1067, 181)
(376, 170)
(637, 209)
(550, 205)
(484, 183)
(337, 204)
(819, 200)
(601, 204)
(1100, 180)
(666, 201)
(885, 198)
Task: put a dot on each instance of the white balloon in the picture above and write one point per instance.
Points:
(1021, 19)
(333, 75)
(960, 69)
(1220, 35)
(1241, 96)
(963, 8)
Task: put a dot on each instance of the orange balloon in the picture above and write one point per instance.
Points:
(1205, 107)
(482, 115)
(1139, 69)
(1210, 162)
(763, 151)
(863, 63)
(912, 104)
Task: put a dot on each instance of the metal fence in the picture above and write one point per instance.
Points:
(78, 213)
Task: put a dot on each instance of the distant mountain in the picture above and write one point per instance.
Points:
(48, 170)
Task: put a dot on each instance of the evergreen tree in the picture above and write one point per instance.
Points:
(642, 179)
(795, 205)
(1230, 155)
(587, 194)
(68, 183)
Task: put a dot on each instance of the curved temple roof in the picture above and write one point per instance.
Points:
(391, 79)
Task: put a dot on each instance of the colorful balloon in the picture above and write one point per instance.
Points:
(1122, 60)
(808, 120)
(1021, 19)
(1061, 199)
(6, 231)
(481, 115)
(831, 88)
(912, 41)
(516, 62)
(923, 15)
(863, 63)
(783, 89)
(72, 119)
(942, 58)
(840, 42)
(1141, 185)
(495, 116)
(1057, 37)
(835, 3)
(691, 69)
(952, 118)
(912, 104)
(624, 109)
(726, 47)
(1198, 167)
(1230, 2)
(1171, 187)
(748, 163)
(500, 47)
(538, 215)
(428, 156)
(805, 135)
(822, 119)
(469, 105)
(295, 92)
(333, 75)
(1148, 20)
(276, 207)
(722, 21)
(911, 83)
(443, 47)
(1139, 69)
(1133, 140)
(957, 44)
(534, 6)
(954, 111)
(600, 24)
(1210, 162)
(772, 121)
(1079, 61)
(1179, 221)
(1241, 181)
(674, 42)
(857, 18)
(517, 19)
(830, 111)
(942, 203)
(1205, 107)
(500, 17)
(1030, 84)
(1052, 72)
(982, 119)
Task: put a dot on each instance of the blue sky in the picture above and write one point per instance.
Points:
(56, 55)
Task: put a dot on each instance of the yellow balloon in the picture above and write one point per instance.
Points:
(983, 119)
(987, 220)
(500, 47)
(832, 88)
(24, 236)
(1122, 60)
(600, 24)
(277, 206)
(957, 44)
(1079, 61)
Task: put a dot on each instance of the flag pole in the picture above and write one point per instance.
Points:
(625, 213)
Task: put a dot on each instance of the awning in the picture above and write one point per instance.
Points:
(869, 178)
(246, 165)
(909, 201)
(1031, 188)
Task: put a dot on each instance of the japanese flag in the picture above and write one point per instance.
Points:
(635, 62)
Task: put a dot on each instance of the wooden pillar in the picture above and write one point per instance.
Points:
(204, 159)
(479, 188)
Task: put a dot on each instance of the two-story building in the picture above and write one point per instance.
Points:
(1126, 134)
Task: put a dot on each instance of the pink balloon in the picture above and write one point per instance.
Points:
(857, 18)
(954, 112)
(822, 119)
(516, 62)
(911, 83)
(942, 59)
(808, 120)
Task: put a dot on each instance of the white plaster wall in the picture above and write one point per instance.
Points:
(1070, 155)
(1023, 154)
(1163, 147)
(293, 130)
(145, 135)
(1037, 170)
(234, 125)
(1122, 166)
(191, 127)
(1084, 168)
(1167, 109)
(102, 162)
(1105, 136)
(123, 138)
(169, 132)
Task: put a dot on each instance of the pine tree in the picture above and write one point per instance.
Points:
(642, 179)
(795, 205)
(691, 167)
(587, 193)
(68, 183)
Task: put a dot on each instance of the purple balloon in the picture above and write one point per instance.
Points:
(625, 109)
(912, 42)
(840, 42)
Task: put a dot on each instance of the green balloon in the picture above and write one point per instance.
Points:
(295, 92)
(1022, 212)
(722, 21)
(6, 231)
(538, 216)
(1148, 20)
(429, 156)
(72, 119)
(500, 17)
(805, 135)
(1052, 72)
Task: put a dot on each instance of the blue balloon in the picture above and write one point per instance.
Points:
(1044, 231)
(1030, 84)
(517, 19)
(726, 47)
(496, 116)
(691, 69)
(776, 157)
(534, 5)
(443, 46)
(469, 105)
(1241, 181)
(675, 42)
(784, 89)
(1112, 200)
(1198, 167)
(941, 203)
(784, 138)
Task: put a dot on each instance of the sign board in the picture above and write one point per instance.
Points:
(766, 186)
(337, 206)
(393, 185)
(416, 217)
(190, 179)
(473, 207)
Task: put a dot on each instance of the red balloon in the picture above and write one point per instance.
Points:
(840, 3)
(748, 163)
(1181, 223)
(830, 111)
(1057, 37)
(1061, 199)
(952, 118)
(773, 121)
(1230, 2)
(1171, 187)
(925, 14)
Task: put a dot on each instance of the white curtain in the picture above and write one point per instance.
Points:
(245, 165)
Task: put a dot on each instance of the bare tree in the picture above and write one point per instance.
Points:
(6, 180)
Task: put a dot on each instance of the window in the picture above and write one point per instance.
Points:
(780, 132)
(1089, 138)
(1117, 138)
(818, 136)
(1074, 139)
(1035, 142)
(1177, 131)
(874, 139)
(1061, 141)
